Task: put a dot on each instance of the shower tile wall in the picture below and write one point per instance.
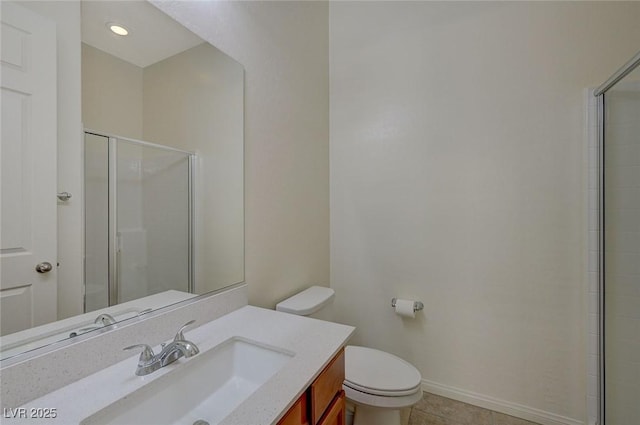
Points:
(622, 253)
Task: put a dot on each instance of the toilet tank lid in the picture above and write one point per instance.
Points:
(307, 302)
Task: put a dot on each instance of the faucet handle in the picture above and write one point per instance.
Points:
(179, 335)
(147, 352)
(105, 319)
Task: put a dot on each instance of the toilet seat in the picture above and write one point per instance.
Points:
(382, 402)
(375, 391)
(373, 373)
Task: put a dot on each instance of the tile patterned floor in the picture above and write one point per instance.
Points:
(436, 410)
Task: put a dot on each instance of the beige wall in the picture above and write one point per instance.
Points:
(283, 47)
(458, 178)
(111, 94)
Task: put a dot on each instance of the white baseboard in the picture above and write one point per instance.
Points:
(502, 406)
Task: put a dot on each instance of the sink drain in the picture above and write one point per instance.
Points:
(201, 422)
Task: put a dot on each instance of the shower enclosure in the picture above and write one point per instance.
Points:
(619, 246)
(138, 220)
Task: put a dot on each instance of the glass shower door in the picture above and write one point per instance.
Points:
(96, 234)
(153, 219)
(621, 289)
(138, 220)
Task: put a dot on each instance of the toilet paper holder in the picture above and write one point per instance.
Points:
(417, 305)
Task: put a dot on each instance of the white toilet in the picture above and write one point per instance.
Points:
(378, 383)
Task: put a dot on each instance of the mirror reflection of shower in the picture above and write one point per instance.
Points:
(138, 220)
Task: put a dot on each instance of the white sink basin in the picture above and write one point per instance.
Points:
(208, 388)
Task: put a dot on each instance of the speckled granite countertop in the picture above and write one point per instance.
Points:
(314, 343)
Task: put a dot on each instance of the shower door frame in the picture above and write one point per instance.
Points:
(112, 149)
(600, 94)
(601, 259)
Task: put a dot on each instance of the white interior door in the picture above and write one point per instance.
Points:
(27, 169)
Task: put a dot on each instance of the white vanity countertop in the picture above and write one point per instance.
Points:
(314, 343)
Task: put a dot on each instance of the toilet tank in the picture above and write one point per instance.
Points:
(315, 302)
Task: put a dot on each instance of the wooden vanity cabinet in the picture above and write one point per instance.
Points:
(324, 402)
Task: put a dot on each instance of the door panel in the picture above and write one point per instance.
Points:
(28, 169)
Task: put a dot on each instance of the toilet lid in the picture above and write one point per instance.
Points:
(377, 372)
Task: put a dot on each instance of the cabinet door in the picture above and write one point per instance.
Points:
(336, 412)
(326, 387)
(297, 415)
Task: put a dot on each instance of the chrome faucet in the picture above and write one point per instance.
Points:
(101, 321)
(179, 347)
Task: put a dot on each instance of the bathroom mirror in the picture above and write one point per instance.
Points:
(162, 109)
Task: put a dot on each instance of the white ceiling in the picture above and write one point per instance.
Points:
(153, 36)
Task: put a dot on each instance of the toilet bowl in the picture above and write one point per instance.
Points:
(379, 384)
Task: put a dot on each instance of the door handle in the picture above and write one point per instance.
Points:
(64, 196)
(44, 267)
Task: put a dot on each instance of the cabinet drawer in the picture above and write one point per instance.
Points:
(297, 415)
(336, 412)
(326, 387)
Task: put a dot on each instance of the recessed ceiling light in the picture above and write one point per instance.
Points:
(117, 29)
